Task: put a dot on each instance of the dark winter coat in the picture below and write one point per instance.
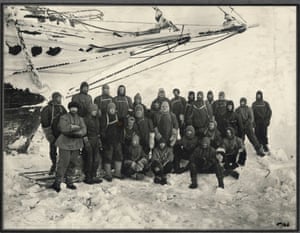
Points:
(93, 126)
(136, 154)
(209, 107)
(246, 116)
(178, 105)
(50, 115)
(144, 127)
(204, 157)
(188, 143)
(84, 101)
(261, 110)
(230, 119)
(199, 118)
(123, 104)
(232, 145)
(165, 123)
(219, 109)
(102, 101)
(111, 129)
(70, 139)
(163, 156)
(214, 136)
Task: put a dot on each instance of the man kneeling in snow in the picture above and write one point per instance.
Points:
(72, 128)
(162, 161)
(135, 160)
(232, 153)
(204, 160)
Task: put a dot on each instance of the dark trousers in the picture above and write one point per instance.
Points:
(92, 158)
(66, 165)
(198, 166)
(160, 170)
(53, 153)
(180, 154)
(113, 153)
(127, 170)
(261, 132)
(249, 132)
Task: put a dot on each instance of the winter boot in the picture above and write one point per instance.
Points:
(157, 179)
(107, 168)
(163, 180)
(193, 185)
(235, 174)
(117, 173)
(266, 148)
(56, 186)
(96, 180)
(137, 176)
(71, 186)
(260, 152)
(88, 180)
(220, 182)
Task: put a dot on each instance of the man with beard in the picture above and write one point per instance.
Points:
(161, 97)
(219, 108)
(178, 104)
(83, 99)
(209, 104)
(103, 100)
(123, 104)
(69, 142)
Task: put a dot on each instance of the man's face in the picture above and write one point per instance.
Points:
(200, 96)
(176, 93)
(85, 89)
(57, 99)
(135, 141)
(229, 133)
(161, 94)
(165, 107)
(210, 97)
(258, 96)
(122, 90)
(211, 126)
(204, 145)
(106, 91)
(191, 96)
(221, 97)
(230, 107)
(189, 133)
(243, 103)
(112, 111)
(74, 110)
(138, 114)
(162, 145)
(156, 106)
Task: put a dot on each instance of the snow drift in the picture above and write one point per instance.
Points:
(264, 197)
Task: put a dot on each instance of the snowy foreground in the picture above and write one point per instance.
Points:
(263, 198)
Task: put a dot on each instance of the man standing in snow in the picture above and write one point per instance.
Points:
(83, 99)
(92, 145)
(189, 105)
(262, 116)
(178, 104)
(219, 108)
(204, 160)
(209, 104)
(199, 117)
(112, 134)
(50, 115)
(103, 100)
(246, 115)
(69, 142)
(166, 125)
(123, 104)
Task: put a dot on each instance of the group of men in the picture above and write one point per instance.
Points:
(126, 139)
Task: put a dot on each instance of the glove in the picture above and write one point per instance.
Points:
(172, 140)
(133, 166)
(181, 118)
(268, 123)
(86, 141)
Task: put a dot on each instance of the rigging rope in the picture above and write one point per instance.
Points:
(164, 62)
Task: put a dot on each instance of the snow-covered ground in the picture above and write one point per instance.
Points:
(264, 197)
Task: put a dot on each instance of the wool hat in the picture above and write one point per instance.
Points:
(56, 94)
(205, 140)
(138, 97)
(243, 99)
(73, 104)
(84, 84)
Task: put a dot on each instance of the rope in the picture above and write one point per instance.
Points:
(35, 75)
(126, 68)
(167, 61)
(238, 14)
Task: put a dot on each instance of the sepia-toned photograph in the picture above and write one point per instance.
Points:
(149, 117)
